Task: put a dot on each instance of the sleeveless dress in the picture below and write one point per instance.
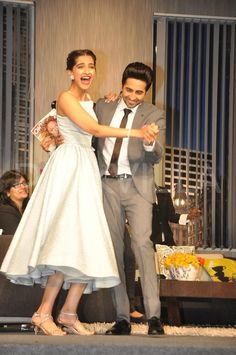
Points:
(64, 226)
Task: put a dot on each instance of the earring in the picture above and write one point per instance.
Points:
(72, 77)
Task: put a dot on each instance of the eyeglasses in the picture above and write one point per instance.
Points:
(19, 184)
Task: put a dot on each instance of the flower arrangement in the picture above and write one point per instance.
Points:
(183, 260)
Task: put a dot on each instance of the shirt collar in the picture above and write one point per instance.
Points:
(122, 105)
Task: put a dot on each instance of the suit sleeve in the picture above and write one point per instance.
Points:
(157, 117)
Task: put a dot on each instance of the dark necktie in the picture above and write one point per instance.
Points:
(113, 167)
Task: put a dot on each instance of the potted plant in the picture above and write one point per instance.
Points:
(184, 266)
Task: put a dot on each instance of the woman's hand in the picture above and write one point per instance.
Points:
(110, 97)
(47, 142)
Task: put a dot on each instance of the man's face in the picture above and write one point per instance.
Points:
(133, 92)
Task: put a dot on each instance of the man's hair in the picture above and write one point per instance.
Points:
(138, 71)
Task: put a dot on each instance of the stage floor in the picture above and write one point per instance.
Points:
(28, 343)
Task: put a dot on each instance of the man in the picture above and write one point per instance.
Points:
(129, 192)
(163, 213)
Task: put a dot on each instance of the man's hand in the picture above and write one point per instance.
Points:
(150, 133)
(194, 213)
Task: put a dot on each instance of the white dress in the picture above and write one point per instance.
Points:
(64, 226)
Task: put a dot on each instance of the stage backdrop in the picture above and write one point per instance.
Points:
(119, 32)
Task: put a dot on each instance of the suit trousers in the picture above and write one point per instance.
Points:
(121, 201)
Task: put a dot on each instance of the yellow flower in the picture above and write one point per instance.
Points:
(182, 260)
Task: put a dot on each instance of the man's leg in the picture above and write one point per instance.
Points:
(116, 222)
(139, 214)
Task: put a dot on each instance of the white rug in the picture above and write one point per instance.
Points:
(100, 328)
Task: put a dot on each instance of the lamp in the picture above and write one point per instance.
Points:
(180, 197)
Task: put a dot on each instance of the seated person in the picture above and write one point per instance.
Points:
(163, 213)
(14, 193)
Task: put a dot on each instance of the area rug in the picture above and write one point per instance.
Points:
(100, 328)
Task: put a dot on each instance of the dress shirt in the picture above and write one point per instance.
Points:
(123, 162)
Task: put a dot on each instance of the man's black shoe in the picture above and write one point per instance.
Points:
(120, 328)
(155, 327)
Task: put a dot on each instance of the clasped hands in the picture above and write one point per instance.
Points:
(150, 133)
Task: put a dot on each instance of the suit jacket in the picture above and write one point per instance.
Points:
(163, 213)
(141, 162)
(9, 219)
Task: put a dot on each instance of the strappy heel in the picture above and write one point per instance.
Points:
(74, 327)
(39, 321)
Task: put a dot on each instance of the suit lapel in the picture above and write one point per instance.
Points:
(139, 117)
(109, 113)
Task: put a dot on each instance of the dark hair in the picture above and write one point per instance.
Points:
(7, 181)
(72, 56)
(138, 71)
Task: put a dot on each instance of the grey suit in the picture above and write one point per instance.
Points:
(133, 198)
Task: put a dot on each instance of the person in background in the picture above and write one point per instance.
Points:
(128, 190)
(163, 213)
(59, 242)
(14, 196)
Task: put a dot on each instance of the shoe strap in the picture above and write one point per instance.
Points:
(43, 317)
(69, 314)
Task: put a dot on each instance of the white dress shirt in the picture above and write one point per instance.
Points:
(123, 162)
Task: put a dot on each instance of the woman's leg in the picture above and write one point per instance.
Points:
(68, 315)
(73, 297)
(42, 318)
(51, 291)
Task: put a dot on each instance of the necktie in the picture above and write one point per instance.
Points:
(113, 167)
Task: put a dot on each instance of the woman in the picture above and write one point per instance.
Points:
(14, 194)
(63, 234)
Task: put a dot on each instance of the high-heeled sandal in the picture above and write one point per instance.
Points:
(47, 329)
(73, 327)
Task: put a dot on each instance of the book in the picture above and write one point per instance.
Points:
(47, 129)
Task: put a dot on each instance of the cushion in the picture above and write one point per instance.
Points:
(221, 270)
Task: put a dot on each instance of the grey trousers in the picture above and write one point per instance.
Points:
(121, 201)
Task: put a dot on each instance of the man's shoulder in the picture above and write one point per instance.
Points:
(100, 101)
(162, 190)
(151, 109)
(163, 194)
(104, 102)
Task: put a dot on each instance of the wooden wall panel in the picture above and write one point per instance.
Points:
(119, 32)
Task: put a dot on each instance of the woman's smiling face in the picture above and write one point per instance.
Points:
(84, 71)
(19, 191)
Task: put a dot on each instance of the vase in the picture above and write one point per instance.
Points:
(189, 273)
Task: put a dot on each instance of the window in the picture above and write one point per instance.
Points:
(16, 84)
(199, 59)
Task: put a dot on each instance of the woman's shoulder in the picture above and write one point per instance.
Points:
(63, 94)
(4, 208)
